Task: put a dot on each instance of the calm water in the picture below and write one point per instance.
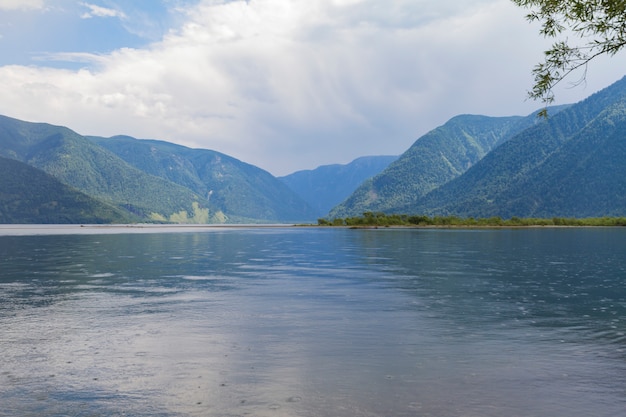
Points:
(314, 322)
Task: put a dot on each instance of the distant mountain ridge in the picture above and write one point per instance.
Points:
(328, 185)
(570, 165)
(434, 159)
(85, 166)
(237, 188)
(194, 186)
(29, 195)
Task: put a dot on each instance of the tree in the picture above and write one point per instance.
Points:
(601, 23)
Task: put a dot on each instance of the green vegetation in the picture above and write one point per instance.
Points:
(564, 166)
(29, 195)
(370, 219)
(82, 165)
(602, 23)
(237, 189)
(153, 181)
(328, 185)
(434, 159)
(99, 173)
(472, 167)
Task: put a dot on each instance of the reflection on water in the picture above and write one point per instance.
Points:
(314, 322)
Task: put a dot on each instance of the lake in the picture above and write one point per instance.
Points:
(325, 322)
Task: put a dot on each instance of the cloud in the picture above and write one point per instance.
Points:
(289, 85)
(98, 11)
(21, 4)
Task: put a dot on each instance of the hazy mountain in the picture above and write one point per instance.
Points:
(29, 195)
(240, 190)
(434, 159)
(154, 180)
(328, 185)
(572, 164)
(569, 165)
(82, 164)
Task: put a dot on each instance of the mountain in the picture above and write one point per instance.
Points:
(328, 185)
(154, 180)
(571, 165)
(29, 195)
(240, 190)
(80, 163)
(433, 160)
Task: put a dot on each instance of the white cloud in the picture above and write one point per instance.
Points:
(21, 4)
(98, 11)
(289, 85)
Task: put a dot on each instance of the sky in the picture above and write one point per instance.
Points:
(285, 85)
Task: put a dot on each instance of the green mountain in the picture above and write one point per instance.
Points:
(571, 165)
(328, 185)
(242, 191)
(154, 180)
(85, 166)
(434, 159)
(29, 195)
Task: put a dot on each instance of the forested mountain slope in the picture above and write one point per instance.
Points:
(238, 189)
(328, 185)
(154, 180)
(434, 159)
(76, 161)
(29, 195)
(573, 164)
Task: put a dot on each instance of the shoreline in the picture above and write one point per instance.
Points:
(146, 228)
(131, 228)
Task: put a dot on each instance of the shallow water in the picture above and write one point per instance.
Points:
(313, 322)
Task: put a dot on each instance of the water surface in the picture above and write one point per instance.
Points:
(314, 322)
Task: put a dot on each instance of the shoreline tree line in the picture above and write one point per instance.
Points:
(379, 219)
